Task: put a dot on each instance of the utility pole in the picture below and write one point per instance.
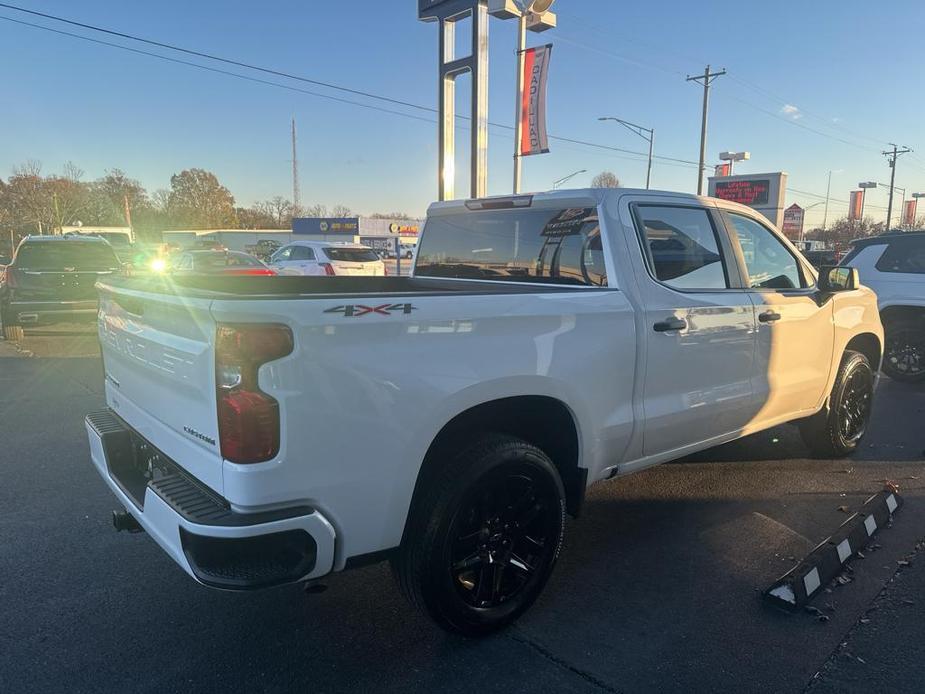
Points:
(707, 79)
(128, 213)
(893, 156)
(296, 194)
(828, 191)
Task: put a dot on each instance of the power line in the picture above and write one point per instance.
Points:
(220, 59)
(287, 75)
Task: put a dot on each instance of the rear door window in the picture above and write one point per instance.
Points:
(351, 255)
(66, 255)
(905, 256)
(682, 247)
(561, 246)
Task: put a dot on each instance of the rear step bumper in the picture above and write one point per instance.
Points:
(213, 543)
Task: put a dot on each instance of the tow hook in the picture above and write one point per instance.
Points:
(123, 520)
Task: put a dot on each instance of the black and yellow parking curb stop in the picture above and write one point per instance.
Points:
(796, 587)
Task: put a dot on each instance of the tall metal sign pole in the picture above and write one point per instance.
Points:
(518, 98)
(448, 13)
(707, 79)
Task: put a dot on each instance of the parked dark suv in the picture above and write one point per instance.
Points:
(51, 279)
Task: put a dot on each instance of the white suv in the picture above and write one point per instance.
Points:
(893, 265)
(322, 258)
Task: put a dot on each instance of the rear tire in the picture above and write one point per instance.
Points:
(483, 536)
(837, 429)
(904, 351)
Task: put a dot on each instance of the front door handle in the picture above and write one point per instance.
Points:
(670, 324)
(769, 316)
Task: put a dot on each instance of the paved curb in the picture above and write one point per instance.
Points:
(796, 587)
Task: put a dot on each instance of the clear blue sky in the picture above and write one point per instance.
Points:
(852, 70)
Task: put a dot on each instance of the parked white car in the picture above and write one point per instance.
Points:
(323, 258)
(893, 265)
(282, 429)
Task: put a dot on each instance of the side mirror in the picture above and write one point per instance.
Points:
(838, 279)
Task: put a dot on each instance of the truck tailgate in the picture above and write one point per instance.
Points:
(160, 375)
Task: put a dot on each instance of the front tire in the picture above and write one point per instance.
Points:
(904, 351)
(483, 536)
(837, 429)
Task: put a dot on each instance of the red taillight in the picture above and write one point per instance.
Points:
(328, 269)
(248, 419)
(251, 271)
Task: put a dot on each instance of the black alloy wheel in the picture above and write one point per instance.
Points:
(505, 536)
(483, 536)
(904, 354)
(837, 429)
(854, 407)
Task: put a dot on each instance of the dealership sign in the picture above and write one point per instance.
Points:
(793, 222)
(744, 191)
(909, 209)
(855, 205)
(326, 225)
(534, 139)
(762, 192)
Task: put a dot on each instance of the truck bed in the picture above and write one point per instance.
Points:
(281, 287)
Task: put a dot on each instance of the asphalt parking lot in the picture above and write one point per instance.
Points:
(657, 589)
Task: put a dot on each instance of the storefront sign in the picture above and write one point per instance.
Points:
(326, 225)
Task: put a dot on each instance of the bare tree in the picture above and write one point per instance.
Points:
(605, 179)
(341, 211)
(315, 211)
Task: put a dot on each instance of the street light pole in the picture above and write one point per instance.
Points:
(828, 192)
(638, 130)
(556, 184)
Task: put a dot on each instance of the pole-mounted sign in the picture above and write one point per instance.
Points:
(855, 205)
(532, 15)
(534, 139)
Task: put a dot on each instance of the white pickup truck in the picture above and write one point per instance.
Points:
(273, 430)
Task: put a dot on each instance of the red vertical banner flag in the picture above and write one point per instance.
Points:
(909, 210)
(534, 139)
(721, 170)
(855, 205)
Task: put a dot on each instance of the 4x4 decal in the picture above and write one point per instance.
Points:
(357, 310)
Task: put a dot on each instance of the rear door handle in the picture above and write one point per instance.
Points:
(769, 317)
(670, 324)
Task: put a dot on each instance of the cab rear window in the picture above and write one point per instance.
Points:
(66, 255)
(561, 246)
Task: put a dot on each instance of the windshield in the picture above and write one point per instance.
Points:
(66, 255)
(351, 255)
(561, 246)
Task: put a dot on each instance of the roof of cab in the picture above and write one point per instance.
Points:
(70, 238)
(888, 236)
